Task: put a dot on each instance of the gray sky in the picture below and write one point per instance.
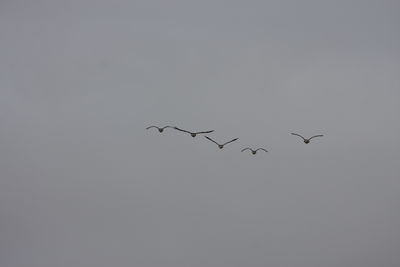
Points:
(84, 184)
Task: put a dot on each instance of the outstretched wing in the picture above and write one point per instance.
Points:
(211, 139)
(230, 141)
(261, 149)
(247, 148)
(151, 127)
(204, 132)
(298, 135)
(179, 129)
(319, 135)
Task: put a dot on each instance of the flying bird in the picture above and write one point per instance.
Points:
(254, 151)
(306, 141)
(160, 129)
(221, 146)
(193, 134)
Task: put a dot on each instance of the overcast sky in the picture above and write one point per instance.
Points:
(82, 183)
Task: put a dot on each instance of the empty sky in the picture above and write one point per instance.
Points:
(82, 183)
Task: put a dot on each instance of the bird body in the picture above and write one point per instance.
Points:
(193, 134)
(160, 129)
(254, 151)
(307, 140)
(221, 146)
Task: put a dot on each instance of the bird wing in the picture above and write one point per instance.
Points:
(298, 135)
(261, 149)
(247, 148)
(204, 132)
(151, 127)
(230, 141)
(211, 139)
(319, 135)
(176, 128)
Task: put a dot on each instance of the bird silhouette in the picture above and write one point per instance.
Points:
(306, 141)
(221, 146)
(160, 129)
(193, 134)
(253, 151)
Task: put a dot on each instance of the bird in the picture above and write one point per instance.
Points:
(306, 141)
(160, 129)
(193, 134)
(252, 150)
(221, 146)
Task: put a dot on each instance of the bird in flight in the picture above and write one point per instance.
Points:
(221, 146)
(306, 141)
(160, 129)
(193, 134)
(254, 151)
